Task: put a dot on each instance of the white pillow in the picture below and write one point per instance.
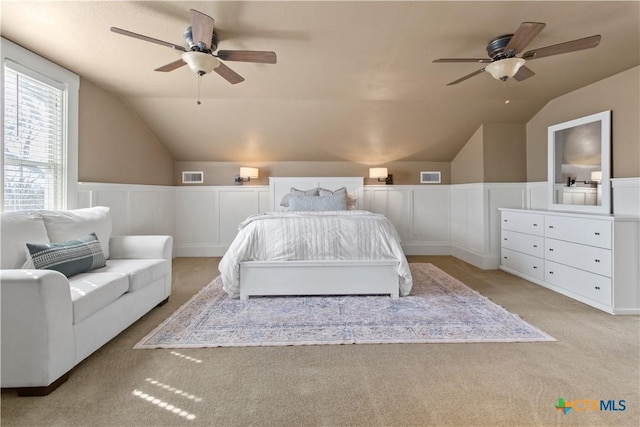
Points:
(16, 229)
(68, 225)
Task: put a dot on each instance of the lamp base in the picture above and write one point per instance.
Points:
(389, 180)
(239, 180)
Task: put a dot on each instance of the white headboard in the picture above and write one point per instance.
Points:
(279, 186)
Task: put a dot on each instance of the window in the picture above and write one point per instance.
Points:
(39, 137)
(33, 143)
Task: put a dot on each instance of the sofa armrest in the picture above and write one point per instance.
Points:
(38, 343)
(141, 247)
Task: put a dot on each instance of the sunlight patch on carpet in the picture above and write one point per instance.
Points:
(440, 309)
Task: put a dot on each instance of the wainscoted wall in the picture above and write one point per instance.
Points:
(135, 209)
(207, 218)
(460, 220)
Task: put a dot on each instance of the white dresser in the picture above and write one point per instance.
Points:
(594, 259)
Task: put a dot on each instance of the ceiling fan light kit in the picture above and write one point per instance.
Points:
(200, 63)
(502, 50)
(505, 68)
(203, 42)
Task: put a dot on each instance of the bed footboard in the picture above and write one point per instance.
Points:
(372, 277)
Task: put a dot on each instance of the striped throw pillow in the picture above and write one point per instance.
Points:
(70, 257)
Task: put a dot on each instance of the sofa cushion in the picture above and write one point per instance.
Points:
(18, 228)
(66, 225)
(141, 272)
(93, 291)
(69, 258)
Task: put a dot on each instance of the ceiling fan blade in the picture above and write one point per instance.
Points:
(248, 56)
(461, 79)
(228, 74)
(566, 47)
(523, 36)
(524, 73)
(172, 66)
(148, 39)
(477, 60)
(201, 27)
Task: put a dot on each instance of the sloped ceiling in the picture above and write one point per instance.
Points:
(354, 80)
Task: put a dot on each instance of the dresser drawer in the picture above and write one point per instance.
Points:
(587, 231)
(526, 243)
(590, 258)
(589, 285)
(523, 263)
(529, 223)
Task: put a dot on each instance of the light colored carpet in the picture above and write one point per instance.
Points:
(440, 309)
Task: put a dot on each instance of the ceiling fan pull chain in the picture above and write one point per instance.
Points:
(199, 79)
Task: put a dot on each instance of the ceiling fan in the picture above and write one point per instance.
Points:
(502, 51)
(203, 42)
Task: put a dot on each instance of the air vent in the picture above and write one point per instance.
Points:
(192, 177)
(430, 177)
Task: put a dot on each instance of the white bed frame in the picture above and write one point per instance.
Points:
(353, 277)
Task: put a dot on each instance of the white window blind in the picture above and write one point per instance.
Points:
(34, 143)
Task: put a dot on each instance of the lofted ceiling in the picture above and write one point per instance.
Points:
(354, 80)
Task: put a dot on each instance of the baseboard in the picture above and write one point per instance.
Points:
(482, 261)
(196, 251)
(427, 249)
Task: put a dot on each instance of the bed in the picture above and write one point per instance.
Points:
(341, 251)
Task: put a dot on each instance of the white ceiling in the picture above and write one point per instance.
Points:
(354, 80)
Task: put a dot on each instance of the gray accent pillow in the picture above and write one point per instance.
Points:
(337, 202)
(324, 192)
(351, 200)
(70, 257)
(294, 191)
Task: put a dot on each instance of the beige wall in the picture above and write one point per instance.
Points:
(114, 145)
(223, 173)
(505, 152)
(620, 94)
(468, 165)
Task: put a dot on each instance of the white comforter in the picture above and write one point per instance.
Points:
(327, 235)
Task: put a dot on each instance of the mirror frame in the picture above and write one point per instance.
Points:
(605, 162)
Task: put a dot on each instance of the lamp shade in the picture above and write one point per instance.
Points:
(596, 176)
(249, 172)
(378, 173)
(504, 69)
(200, 63)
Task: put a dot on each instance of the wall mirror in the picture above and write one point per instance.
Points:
(579, 155)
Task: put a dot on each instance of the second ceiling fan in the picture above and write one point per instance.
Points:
(203, 42)
(502, 51)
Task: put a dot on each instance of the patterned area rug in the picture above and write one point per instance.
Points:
(440, 309)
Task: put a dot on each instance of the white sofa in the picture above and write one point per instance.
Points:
(49, 322)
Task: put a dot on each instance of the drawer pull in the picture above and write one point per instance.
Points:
(506, 257)
(505, 220)
(597, 234)
(598, 287)
(551, 272)
(550, 249)
(505, 239)
(597, 260)
(535, 267)
(551, 226)
(535, 225)
(535, 246)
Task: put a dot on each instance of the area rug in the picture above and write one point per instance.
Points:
(440, 309)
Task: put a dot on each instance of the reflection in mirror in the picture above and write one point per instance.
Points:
(579, 164)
